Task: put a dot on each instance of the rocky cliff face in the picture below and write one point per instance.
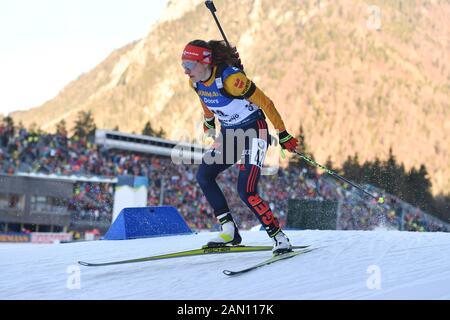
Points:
(360, 77)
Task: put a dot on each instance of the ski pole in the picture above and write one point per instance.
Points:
(210, 5)
(334, 174)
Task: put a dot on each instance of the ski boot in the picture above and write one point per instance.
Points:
(281, 243)
(229, 234)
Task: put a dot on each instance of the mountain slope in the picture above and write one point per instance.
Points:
(358, 83)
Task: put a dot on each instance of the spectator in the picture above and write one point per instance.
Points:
(24, 151)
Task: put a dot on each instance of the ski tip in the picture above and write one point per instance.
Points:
(228, 272)
(301, 247)
(84, 263)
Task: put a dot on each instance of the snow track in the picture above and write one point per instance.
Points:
(349, 265)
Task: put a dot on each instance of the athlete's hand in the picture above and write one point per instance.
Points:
(209, 127)
(287, 141)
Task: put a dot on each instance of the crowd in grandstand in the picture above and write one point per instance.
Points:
(175, 185)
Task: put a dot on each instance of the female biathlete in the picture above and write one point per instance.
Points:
(225, 93)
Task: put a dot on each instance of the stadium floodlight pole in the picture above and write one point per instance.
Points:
(334, 174)
(210, 5)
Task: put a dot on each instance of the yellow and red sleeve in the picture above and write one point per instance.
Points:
(207, 114)
(239, 85)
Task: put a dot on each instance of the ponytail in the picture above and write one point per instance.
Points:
(221, 52)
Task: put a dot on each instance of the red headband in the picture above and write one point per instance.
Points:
(199, 54)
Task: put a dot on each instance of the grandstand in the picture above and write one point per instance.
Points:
(116, 140)
(88, 171)
(50, 203)
(39, 204)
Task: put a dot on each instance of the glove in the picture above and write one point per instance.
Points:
(287, 141)
(209, 127)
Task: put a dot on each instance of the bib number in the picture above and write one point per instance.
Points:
(258, 152)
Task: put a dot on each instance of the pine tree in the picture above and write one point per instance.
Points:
(393, 175)
(84, 125)
(161, 133)
(376, 172)
(61, 128)
(351, 168)
(296, 161)
(149, 131)
(8, 121)
(329, 164)
(419, 187)
(442, 207)
(9, 126)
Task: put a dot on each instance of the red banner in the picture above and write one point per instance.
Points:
(47, 237)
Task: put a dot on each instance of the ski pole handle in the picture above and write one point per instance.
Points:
(210, 5)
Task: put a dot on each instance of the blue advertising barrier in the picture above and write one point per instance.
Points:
(146, 222)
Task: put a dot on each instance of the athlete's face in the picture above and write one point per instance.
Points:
(195, 70)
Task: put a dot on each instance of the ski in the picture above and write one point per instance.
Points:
(273, 259)
(188, 253)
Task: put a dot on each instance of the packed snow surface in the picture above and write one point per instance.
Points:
(346, 265)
